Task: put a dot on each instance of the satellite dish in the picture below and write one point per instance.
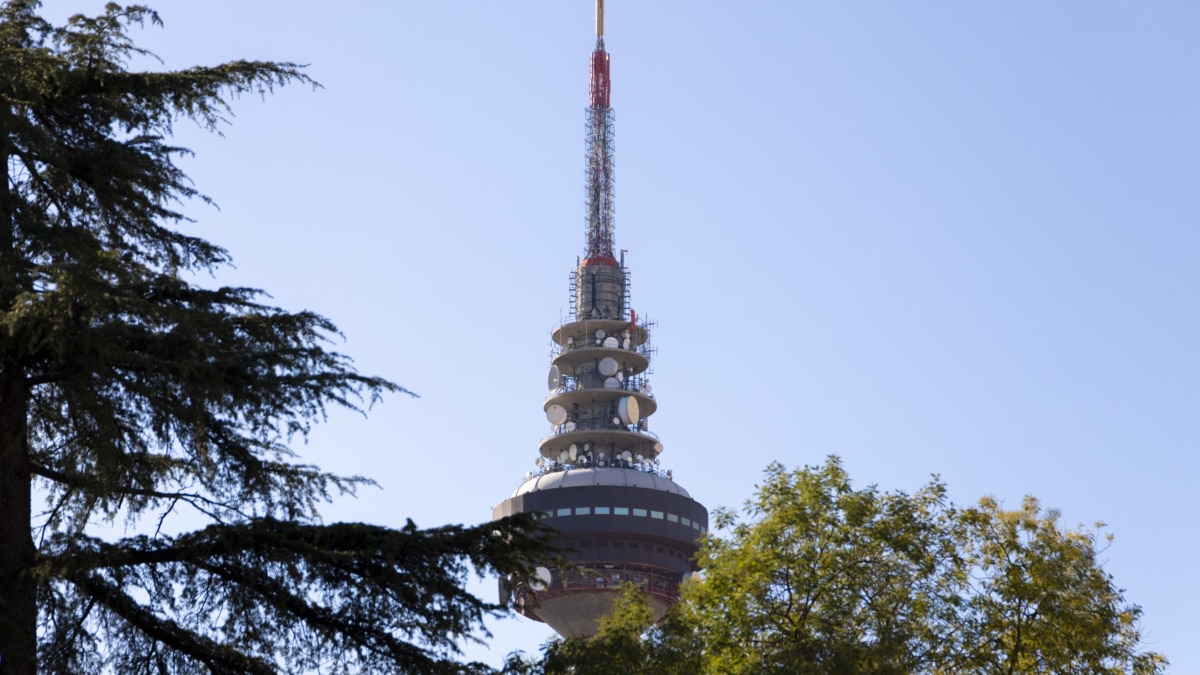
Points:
(600, 334)
(573, 451)
(612, 383)
(569, 427)
(554, 380)
(625, 333)
(610, 342)
(609, 366)
(627, 455)
(556, 414)
(640, 458)
(628, 410)
(562, 456)
(620, 377)
(540, 580)
(602, 455)
(587, 446)
(647, 388)
(616, 420)
(626, 343)
(658, 447)
(570, 341)
(540, 461)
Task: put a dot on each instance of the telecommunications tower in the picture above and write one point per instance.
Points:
(598, 479)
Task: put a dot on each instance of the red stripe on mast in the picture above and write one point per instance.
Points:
(601, 86)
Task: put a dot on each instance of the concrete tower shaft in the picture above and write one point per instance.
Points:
(598, 478)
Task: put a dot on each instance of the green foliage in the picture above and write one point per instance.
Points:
(239, 598)
(627, 644)
(826, 578)
(1038, 601)
(821, 577)
(128, 391)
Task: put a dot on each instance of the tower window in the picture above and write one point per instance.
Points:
(602, 510)
(672, 517)
(621, 511)
(583, 510)
(639, 512)
(564, 512)
(656, 514)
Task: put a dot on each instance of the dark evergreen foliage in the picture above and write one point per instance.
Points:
(127, 390)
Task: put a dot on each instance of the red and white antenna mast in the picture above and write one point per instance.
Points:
(599, 152)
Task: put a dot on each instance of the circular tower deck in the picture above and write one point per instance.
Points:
(624, 524)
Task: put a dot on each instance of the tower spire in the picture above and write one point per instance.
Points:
(599, 151)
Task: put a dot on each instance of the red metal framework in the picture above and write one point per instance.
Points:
(600, 87)
(599, 174)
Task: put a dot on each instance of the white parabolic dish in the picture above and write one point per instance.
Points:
(556, 414)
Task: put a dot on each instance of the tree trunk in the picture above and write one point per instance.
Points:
(18, 590)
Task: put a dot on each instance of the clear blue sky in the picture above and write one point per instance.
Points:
(930, 237)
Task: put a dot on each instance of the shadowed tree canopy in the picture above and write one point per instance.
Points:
(824, 578)
(127, 390)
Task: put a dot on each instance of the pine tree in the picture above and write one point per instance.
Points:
(128, 390)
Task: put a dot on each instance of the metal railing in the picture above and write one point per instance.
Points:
(636, 383)
(602, 424)
(644, 466)
(644, 349)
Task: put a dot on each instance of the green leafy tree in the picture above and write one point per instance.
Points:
(127, 391)
(817, 576)
(1038, 601)
(826, 578)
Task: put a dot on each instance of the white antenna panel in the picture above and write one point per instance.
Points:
(540, 580)
(628, 410)
(556, 414)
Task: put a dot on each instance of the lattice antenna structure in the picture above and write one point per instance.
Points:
(599, 171)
